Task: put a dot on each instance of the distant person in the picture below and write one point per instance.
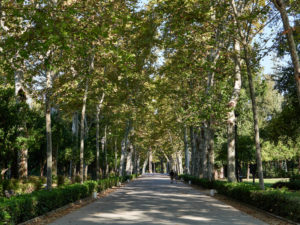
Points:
(172, 174)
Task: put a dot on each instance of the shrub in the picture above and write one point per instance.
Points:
(295, 177)
(292, 185)
(77, 179)
(279, 202)
(60, 180)
(24, 207)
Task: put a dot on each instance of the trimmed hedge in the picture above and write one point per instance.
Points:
(24, 207)
(292, 185)
(279, 202)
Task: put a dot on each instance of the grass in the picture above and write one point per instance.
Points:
(268, 181)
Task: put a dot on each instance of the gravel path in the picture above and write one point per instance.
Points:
(151, 199)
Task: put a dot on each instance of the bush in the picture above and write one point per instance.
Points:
(77, 179)
(24, 207)
(292, 185)
(60, 180)
(295, 177)
(279, 202)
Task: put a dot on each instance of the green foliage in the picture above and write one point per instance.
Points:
(60, 180)
(279, 202)
(24, 207)
(20, 208)
(21, 186)
(291, 185)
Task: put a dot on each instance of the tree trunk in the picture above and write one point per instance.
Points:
(42, 166)
(203, 152)
(104, 152)
(124, 149)
(255, 119)
(248, 172)
(123, 155)
(82, 129)
(299, 165)
(54, 162)
(231, 121)
(21, 96)
(129, 160)
(179, 162)
(193, 150)
(245, 43)
(281, 7)
(48, 129)
(75, 129)
(145, 164)
(97, 144)
(186, 151)
(211, 155)
(98, 109)
(138, 164)
(150, 160)
(116, 156)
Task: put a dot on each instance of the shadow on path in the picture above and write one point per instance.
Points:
(152, 199)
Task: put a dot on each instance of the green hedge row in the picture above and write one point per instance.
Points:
(24, 207)
(292, 185)
(279, 202)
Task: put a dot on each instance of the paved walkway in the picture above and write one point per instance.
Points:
(151, 199)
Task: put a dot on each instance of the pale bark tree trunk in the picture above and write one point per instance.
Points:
(54, 161)
(186, 151)
(124, 149)
(203, 151)
(138, 164)
(75, 132)
(104, 151)
(231, 121)
(245, 43)
(123, 154)
(248, 171)
(150, 160)
(211, 155)
(116, 156)
(168, 162)
(193, 150)
(98, 109)
(145, 164)
(48, 128)
(255, 119)
(82, 129)
(281, 7)
(21, 96)
(129, 160)
(179, 162)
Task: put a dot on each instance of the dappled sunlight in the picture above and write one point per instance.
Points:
(196, 218)
(153, 200)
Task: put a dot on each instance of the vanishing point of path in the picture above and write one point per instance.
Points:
(151, 199)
